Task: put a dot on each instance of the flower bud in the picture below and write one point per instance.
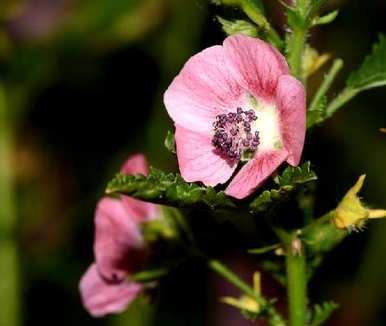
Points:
(351, 213)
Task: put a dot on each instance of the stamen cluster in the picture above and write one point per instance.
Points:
(233, 135)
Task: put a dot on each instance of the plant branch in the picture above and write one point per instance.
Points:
(296, 283)
(9, 304)
(274, 317)
(346, 95)
(329, 78)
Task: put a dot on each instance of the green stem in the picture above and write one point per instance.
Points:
(326, 84)
(296, 283)
(221, 269)
(9, 304)
(296, 49)
(346, 95)
(275, 318)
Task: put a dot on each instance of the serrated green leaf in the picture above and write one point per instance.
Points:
(322, 312)
(267, 198)
(238, 27)
(317, 115)
(168, 189)
(170, 142)
(292, 176)
(326, 19)
(372, 73)
(287, 181)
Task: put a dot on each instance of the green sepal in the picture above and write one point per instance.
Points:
(170, 142)
(318, 114)
(326, 19)
(238, 27)
(322, 312)
(372, 72)
(168, 189)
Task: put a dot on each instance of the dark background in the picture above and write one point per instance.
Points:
(85, 81)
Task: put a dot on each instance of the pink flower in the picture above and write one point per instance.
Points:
(119, 249)
(236, 103)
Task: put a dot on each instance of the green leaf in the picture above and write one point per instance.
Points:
(257, 4)
(289, 179)
(318, 114)
(326, 19)
(267, 198)
(168, 189)
(292, 176)
(238, 27)
(170, 142)
(322, 312)
(372, 73)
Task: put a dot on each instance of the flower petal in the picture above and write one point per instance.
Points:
(291, 103)
(198, 161)
(101, 298)
(118, 246)
(136, 164)
(255, 65)
(203, 89)
(254, 173)
(142, 211)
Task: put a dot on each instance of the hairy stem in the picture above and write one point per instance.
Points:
(346, 95)
(296, 50)
(296, 283)
(9, 304)
(326, 84)
(275, 318)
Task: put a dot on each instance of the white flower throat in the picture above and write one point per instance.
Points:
(238, 135)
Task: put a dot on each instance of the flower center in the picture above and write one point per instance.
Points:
(233, 136)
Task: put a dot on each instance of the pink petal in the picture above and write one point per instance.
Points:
(118, 245)
(101, 298)
(136, 164)
(254, 173)
(255, 65)
(198, 161)
(141, 211)
(203, 89)
(291, 103)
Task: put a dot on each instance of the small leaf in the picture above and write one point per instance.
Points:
(296, 175)
(238, 27)
(168, 189)
(263, 250)
(289, 179)
(170, 142)
(372, 73)
(322, 312)
(326, 19)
